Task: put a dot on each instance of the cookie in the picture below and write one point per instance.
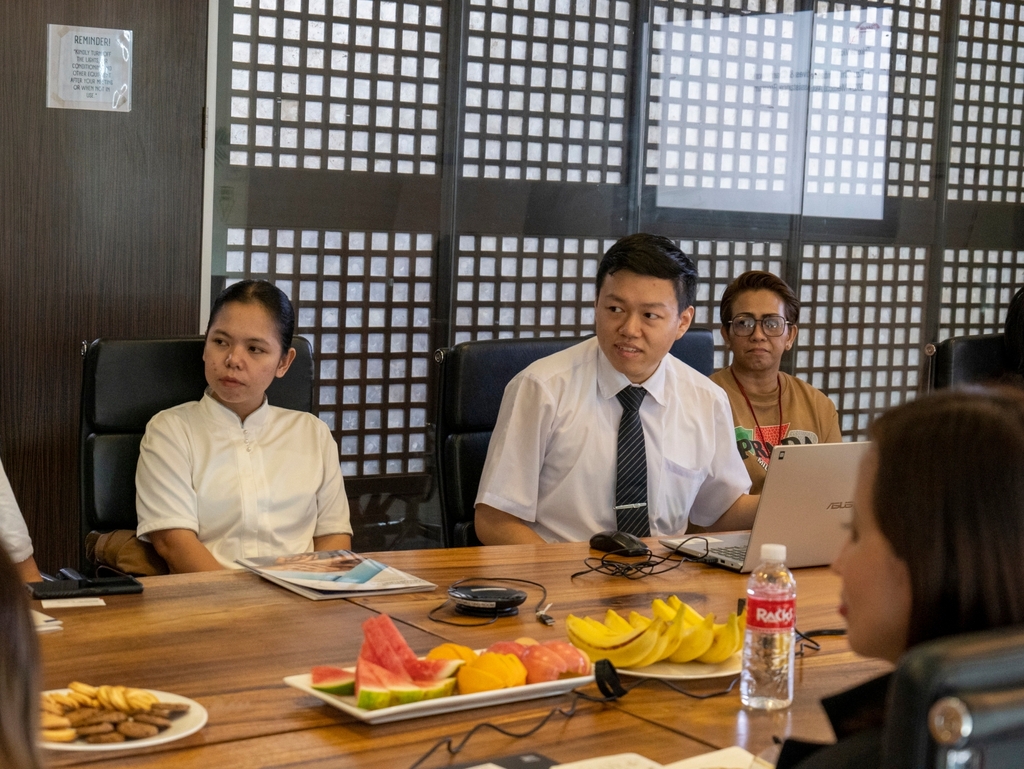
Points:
(148, 718)
(103, 739)
(104, 728)
(104, 716)
(59, 735)
(80, 716)
(136, 731)
(173, 707)
(50, 721)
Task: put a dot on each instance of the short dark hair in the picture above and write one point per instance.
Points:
(19, 673)
(1013, 331)
(949, 497)
(757, 280)
(263, 293)
(656, 257)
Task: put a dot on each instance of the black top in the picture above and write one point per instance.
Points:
(857, 716)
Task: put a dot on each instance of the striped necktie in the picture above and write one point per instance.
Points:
(631, 467)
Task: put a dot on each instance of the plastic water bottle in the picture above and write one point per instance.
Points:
(766, 682)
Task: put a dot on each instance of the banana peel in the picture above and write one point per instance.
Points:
(693, 617)
(616, 623)
(623, 650)
(727, 640)
(696, 640)
(668, 642)
(638, 620)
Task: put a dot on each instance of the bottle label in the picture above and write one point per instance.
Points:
(764, 614)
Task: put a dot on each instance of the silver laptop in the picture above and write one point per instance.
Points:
(805, 504)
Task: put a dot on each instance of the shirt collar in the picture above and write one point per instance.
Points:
(221, 414)
(610, 381)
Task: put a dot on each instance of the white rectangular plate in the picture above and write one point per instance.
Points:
(441, 704)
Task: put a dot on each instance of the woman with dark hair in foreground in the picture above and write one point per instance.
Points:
(936, 547)
(19, 673)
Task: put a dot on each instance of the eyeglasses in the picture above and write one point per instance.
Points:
(772, 325)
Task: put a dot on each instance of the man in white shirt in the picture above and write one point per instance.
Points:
(550, 473)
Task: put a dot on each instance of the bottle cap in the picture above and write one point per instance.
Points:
(773, 552)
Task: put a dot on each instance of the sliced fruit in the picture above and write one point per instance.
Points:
(661, 609)
(638, 620)
(695, 641)
(374, 684)
(693, 617)
(668, 642)
(432, 670)
(576, 661)
(332, 680)
(450, 651)
(435, 689)
(491, 671)
(507, 647)
(543, 664)
(616, 623)
(727, 640)
(623, 650)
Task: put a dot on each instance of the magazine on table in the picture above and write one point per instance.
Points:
(334, 574)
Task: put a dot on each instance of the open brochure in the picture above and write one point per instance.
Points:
(334, 574)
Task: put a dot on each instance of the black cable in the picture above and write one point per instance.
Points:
(455, 748)
(607, 679)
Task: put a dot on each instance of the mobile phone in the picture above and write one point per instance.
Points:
(76, 588)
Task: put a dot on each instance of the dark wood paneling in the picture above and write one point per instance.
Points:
(100, 232)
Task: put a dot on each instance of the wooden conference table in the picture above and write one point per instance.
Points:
(227, 640)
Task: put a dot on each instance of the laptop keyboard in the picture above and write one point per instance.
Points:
(736, 553)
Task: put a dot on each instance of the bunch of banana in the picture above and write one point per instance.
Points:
(676, 633)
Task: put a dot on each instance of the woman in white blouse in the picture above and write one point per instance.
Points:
(14, 534)
(230, 476)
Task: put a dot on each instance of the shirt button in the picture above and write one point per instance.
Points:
(249, 449)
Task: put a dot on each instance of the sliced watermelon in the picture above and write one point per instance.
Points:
(435, 689)
(384, 646)
(332, 680)
(374, 684)
(432, 670)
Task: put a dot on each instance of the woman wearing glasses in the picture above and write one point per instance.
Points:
(759, 313)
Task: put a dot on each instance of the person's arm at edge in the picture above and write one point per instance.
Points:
(739, 516)
(496, 527)
(332, 542)
(183, 551)
(28, 571)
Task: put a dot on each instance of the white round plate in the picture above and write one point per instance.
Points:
(686, 671)
(182, 726)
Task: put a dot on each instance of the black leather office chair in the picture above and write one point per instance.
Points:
(472, 382)
(962, 360)
(126, 382)
(958, 703)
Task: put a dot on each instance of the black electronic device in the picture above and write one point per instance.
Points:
(78, 588)
(619, 543)
(479, 600)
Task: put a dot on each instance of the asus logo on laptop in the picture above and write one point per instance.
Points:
(839, 505)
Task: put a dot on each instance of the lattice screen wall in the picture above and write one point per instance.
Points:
(364, 301)
(862, 325)
(355, 85)
(976, 288)
(726, 91)
(546, 90)
(351, 84)
(985, 154)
